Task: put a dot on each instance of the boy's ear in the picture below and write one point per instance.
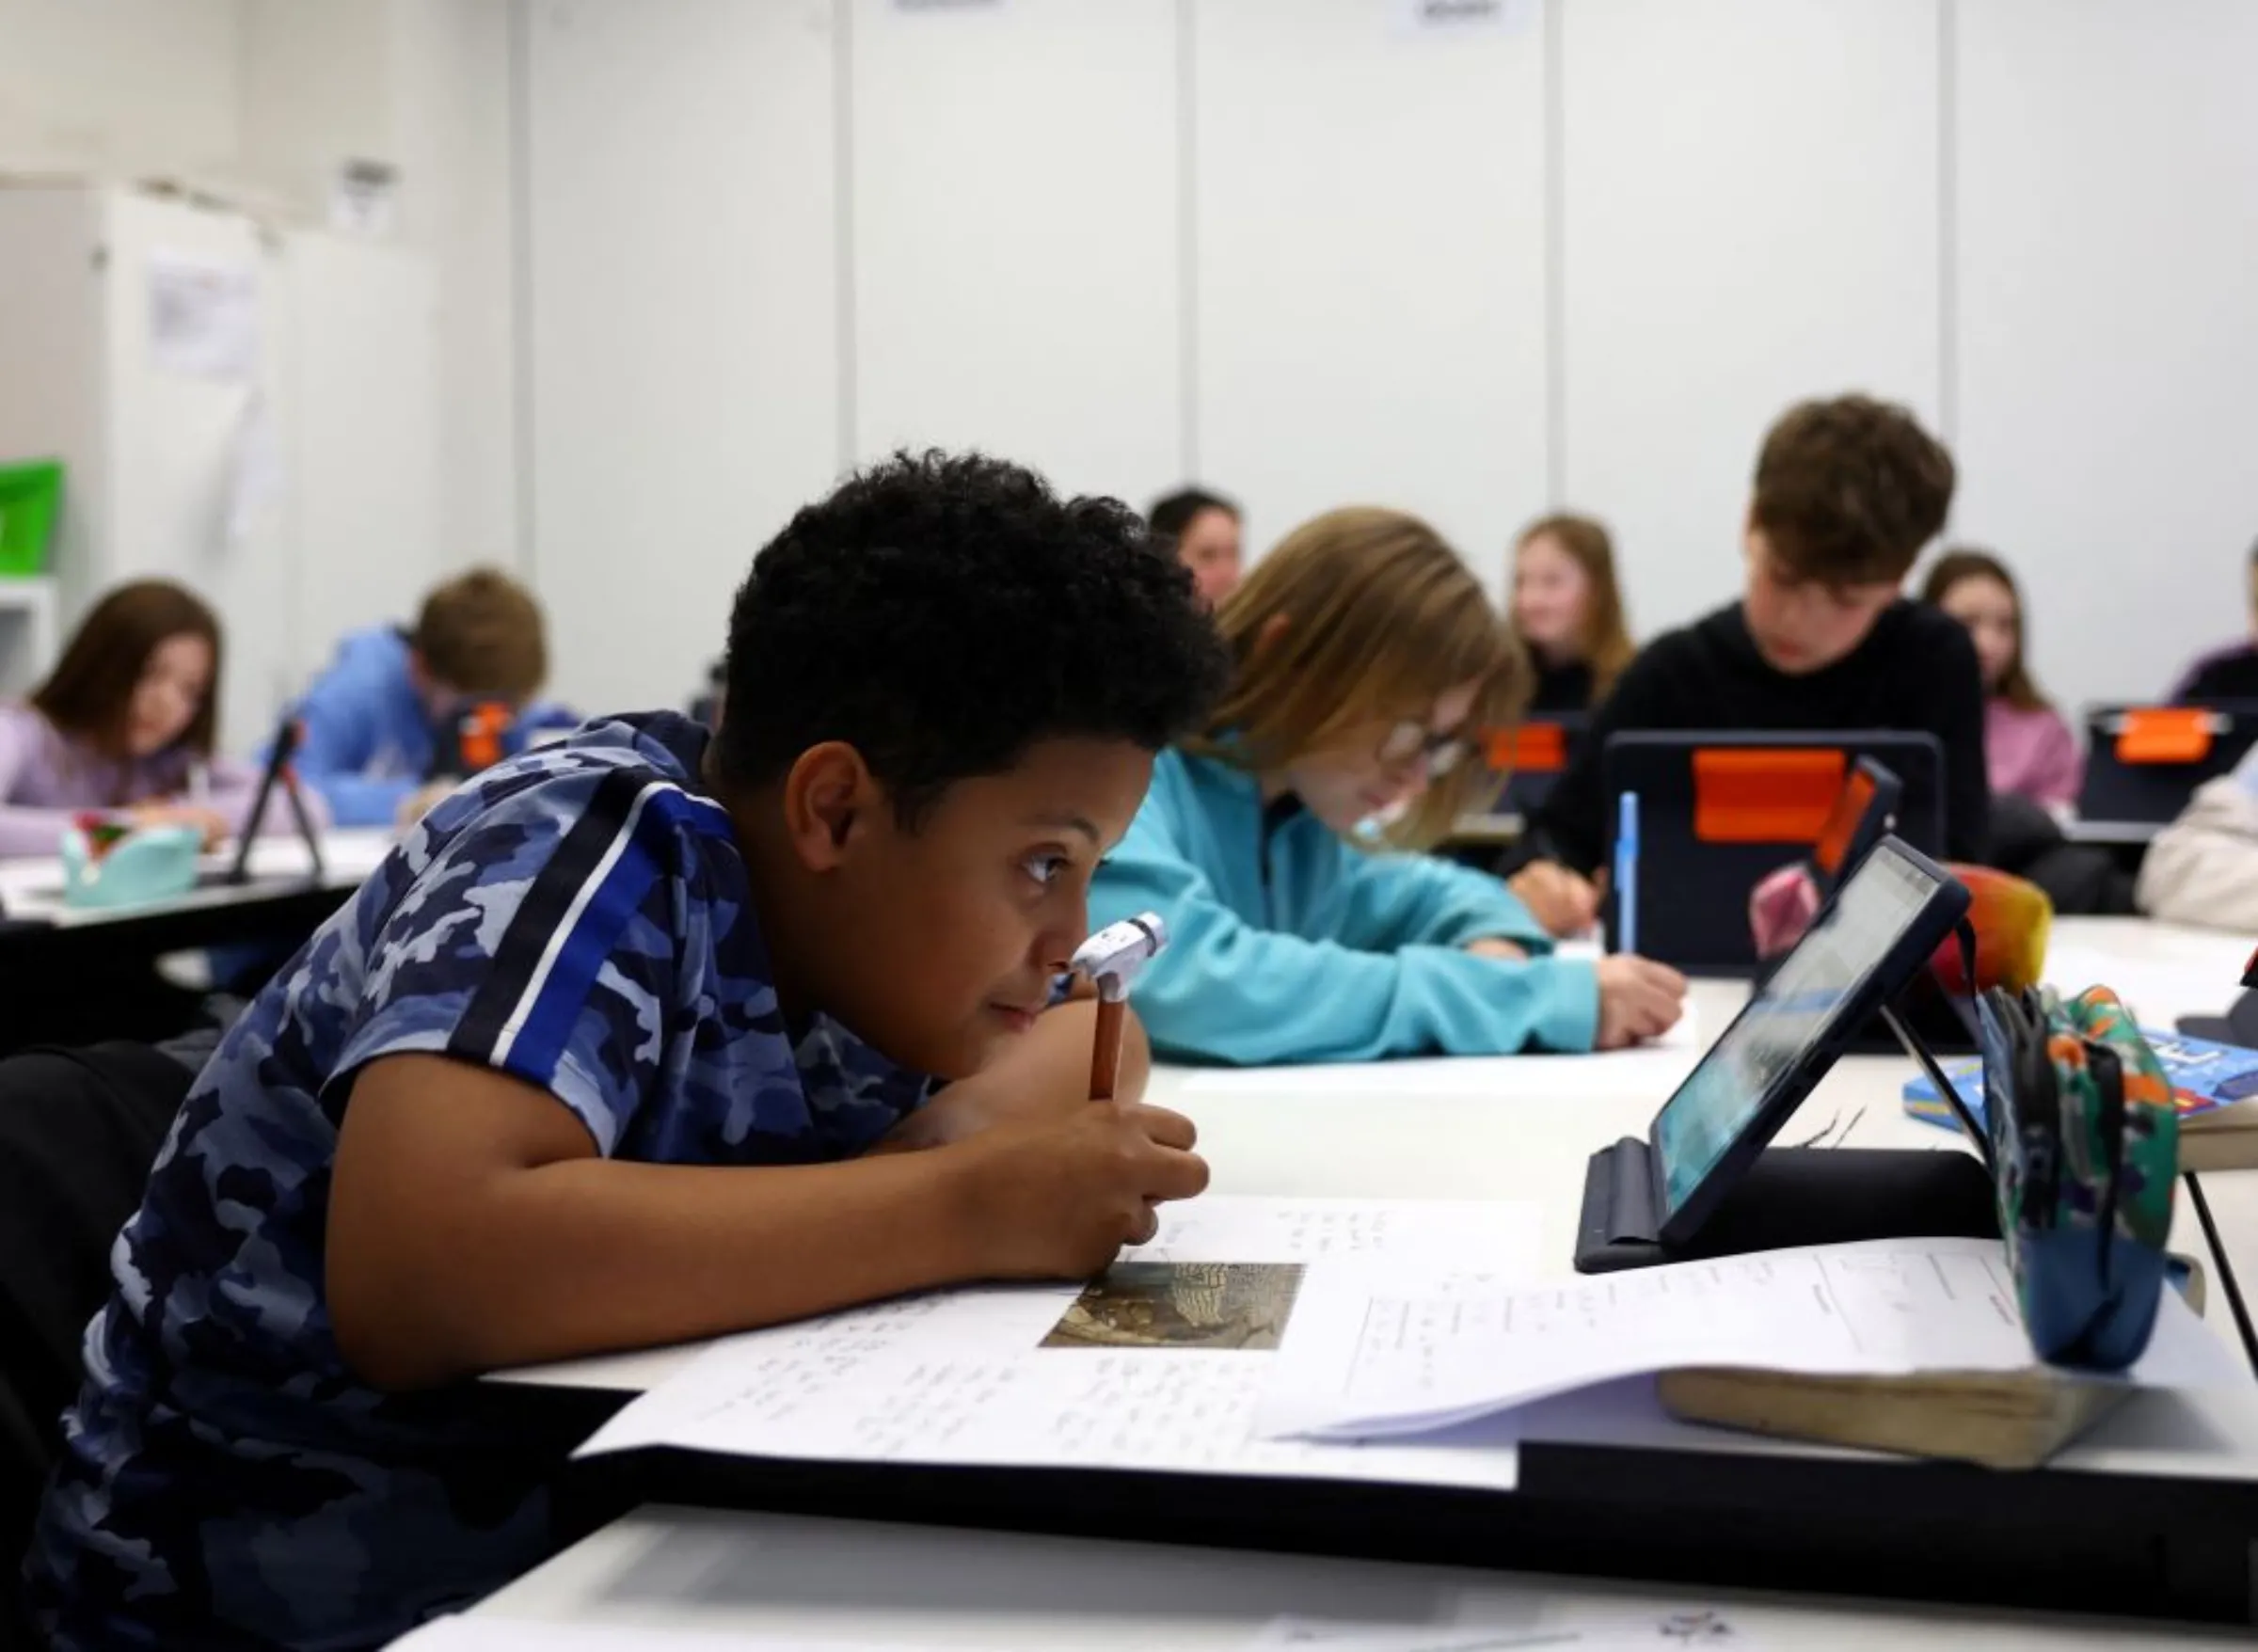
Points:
(828, 794)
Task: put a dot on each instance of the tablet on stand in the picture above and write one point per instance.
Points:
(277, 774)
(1704, 1181)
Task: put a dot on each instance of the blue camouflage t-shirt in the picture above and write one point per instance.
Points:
(577, 916)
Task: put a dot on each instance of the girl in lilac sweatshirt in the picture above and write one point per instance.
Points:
(122, 725)
(2028, 747)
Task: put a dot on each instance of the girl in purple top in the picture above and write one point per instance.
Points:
(122, 725)
(2028, 748)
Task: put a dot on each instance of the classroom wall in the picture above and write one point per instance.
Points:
(1575, 256)
(126, 85)
(256, 102)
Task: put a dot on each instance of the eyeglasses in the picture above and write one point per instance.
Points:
(1438, 754)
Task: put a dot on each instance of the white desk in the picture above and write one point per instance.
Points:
(822, 1581)
(1487, 830)
(1408, 1142)
(2112, 834)
(31, 890)
(845, 1580)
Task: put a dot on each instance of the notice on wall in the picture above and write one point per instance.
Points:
(203, 317)
(1432, 18)
(255, 476)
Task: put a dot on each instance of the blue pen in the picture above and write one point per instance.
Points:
(1626, 873)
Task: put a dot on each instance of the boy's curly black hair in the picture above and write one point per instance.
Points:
(942, 613)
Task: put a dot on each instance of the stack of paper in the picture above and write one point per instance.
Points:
(484, 1632)
(1379, 1352)
(1584, 1629)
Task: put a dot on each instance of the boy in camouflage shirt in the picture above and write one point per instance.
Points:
(631, 1041)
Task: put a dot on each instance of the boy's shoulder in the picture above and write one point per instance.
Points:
(635, 769)
(1698, 645)
(373, 649)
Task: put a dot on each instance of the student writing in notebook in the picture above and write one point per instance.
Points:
(126, 722)
(1367, 664)
(635, 1039)
(1567, 610)
(1847, 492)
(379, 721)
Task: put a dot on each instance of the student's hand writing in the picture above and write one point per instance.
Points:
(1639, 999)
(211, 823)
(1491, 947)
(1557, 898)
(1058, 1198)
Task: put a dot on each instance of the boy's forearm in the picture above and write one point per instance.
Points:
(562, 1253)
(594, 1255)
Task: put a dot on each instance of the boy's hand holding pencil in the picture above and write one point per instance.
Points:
(1059, 1197)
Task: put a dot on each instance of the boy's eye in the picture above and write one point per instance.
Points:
(1045, 868)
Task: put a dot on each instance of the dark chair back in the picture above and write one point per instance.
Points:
(79, 1130)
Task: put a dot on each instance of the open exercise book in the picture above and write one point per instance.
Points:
(1540, 1627)
(1159, 1365)
(1379, 1352)
(1254, 1336)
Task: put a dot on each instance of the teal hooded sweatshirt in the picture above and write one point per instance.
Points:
(1287, 944)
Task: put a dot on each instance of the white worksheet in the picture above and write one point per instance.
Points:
(485, 1632)
(1165, 1375)
(1389, 1351)
(1574, 1628)
(1654, 1069)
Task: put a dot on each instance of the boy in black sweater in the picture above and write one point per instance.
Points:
(1847, 492)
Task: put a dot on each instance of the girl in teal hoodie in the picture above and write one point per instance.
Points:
(1369, 663)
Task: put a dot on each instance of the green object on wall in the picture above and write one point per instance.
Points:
(30, 493)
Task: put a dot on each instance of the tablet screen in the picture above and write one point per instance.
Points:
(1786, 1018)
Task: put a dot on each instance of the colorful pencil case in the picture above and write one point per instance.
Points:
(107, 869)
(2085, 1143)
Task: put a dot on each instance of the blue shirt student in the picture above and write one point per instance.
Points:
(369, 740)
(333, 1513)
(1288, 945)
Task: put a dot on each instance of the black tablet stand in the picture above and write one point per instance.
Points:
(1794, 1196)
(287, 738)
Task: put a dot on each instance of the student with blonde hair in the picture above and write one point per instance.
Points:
(1281, 845)
(1567, 611)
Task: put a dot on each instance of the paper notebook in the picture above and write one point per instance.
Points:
(1157, 1365)
(1392, 1352)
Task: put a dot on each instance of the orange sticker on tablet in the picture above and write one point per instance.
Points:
(2165, 734)
(1746, 795)
(1851, 804)
(1533, 748)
